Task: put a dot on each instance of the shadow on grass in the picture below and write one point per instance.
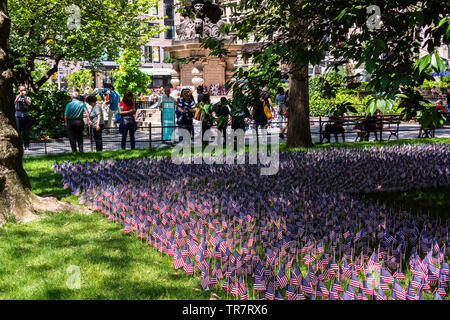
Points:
(434, 202)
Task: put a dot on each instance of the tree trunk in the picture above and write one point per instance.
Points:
(299, 131)
(13, 179)
(17, 202)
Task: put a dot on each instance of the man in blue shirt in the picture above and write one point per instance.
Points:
(74, 119)
(114, 100)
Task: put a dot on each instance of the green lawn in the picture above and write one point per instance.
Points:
(35, 255)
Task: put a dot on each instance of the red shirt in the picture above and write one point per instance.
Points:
(440, 107)
(126, 107)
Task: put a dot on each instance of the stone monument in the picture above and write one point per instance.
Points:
(201, 19)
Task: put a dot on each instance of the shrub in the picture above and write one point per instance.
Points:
(47, 113)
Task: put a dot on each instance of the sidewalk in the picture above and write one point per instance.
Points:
(112, 141)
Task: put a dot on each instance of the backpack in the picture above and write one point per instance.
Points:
(266, 109)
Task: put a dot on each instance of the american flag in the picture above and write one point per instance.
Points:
(179, 261)
(270, 293)
(282, 280)
(373, 263)
(399, 291)
(259, 284)
(383, 285)
(354, 281)
(306, 286)
(189, 267)
(386, 276)
(244, 295)
(410, 294)
(323, 289)
(380, 294)
(399, 275)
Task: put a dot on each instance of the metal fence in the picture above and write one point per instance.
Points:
(153, 136)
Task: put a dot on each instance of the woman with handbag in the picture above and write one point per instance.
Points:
(127, 124)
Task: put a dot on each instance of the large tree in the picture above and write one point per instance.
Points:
(17, 202)
(73, 30)
(301, 32)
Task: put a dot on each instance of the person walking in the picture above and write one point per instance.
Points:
(73, 117)
(96, 116)
(185, 112)
(280, 109)
(22, 105)
(127, 123)
(112, 102)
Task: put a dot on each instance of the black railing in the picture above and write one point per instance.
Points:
(152, 135)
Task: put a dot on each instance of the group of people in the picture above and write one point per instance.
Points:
(122, 112)
(370, 123)
(119, 111)
(263, 112)
(266, 113)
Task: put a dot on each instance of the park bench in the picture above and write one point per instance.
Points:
(389, 123)
(430, 131)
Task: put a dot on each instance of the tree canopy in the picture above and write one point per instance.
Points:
(302, 32)
(56, 30)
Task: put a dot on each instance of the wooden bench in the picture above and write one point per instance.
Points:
(389, 123)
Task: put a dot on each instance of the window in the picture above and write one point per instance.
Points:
(110, 55)
(168, 10)
(152, 25)
(148, 55)
(154, 10)
(166, 55)
(155, 55)
(170, 32)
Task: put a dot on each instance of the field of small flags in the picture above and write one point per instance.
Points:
(301, 234)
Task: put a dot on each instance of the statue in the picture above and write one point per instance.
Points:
(198, 23)
(202, 19)
(186, 29)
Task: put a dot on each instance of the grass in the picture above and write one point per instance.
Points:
(432, 201)
(114, 265)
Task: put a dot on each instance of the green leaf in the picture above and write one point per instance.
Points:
(342, 14)
(441, 23)
(384, 82)
(424, 62)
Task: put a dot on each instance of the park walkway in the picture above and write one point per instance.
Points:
(112, 139)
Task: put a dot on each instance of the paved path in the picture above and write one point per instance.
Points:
(112, 140)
